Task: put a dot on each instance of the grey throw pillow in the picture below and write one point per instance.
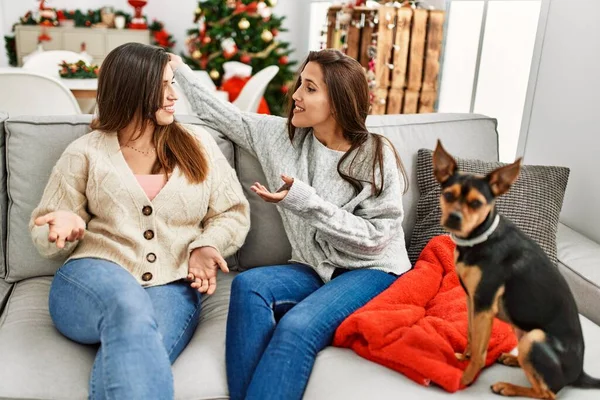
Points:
(533, 203)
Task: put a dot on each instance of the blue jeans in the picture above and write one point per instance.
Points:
(141, 331)
(280, 317)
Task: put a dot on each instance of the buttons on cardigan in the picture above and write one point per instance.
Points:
(147, 276)
(149, 234)
(151, 257)
(147, 210)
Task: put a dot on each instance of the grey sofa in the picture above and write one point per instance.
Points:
(36, 362)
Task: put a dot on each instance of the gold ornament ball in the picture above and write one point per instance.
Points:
(198, 10)
(214, 74)
(273, 2)
(266, 35)
(244, 24)
(196, 54)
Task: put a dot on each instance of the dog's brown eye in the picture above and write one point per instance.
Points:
(449, 196)
(475, 204)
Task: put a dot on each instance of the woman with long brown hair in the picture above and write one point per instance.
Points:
(339, 190)
(137, 205)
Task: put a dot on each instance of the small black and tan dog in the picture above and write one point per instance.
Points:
(507, 275)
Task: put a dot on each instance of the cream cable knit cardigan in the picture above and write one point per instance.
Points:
(151, 239)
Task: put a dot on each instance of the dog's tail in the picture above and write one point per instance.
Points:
(587, 382)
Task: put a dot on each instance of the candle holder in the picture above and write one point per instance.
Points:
(138, 21)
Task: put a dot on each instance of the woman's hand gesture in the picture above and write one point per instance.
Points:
(203, 265)
(276, 197)
(175, 61)
(65, 226)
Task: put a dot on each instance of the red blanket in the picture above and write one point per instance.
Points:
(418, 323)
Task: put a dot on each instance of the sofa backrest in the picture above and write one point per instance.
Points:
(34, 144)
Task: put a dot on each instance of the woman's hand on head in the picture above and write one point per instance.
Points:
(64, 226)
(202, 269)
(175, 61)
(276, 197)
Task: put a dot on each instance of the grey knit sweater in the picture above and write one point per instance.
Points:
(327, 223)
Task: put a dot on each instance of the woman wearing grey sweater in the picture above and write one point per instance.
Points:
(338, 189)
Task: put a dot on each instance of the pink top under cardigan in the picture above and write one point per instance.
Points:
(152, 184)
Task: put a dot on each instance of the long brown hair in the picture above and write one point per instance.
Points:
(130, 89)
(348, 92)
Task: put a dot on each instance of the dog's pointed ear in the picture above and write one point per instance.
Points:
(501, 179)
(444, 165)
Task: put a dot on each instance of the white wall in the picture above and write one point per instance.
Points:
(3, 58)
(177, 16)
(562, 126)
(496, 86)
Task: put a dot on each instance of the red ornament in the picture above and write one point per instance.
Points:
(206, 40)
(285, 89)
(274, 31)
(246, 59)
(283, 60)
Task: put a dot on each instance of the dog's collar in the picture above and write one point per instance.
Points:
(479, 239)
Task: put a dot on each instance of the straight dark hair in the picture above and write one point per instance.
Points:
(130, 89)
(348, 92)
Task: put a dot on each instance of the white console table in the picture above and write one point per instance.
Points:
(99, 41)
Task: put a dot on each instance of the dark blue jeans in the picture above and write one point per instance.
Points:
(280, 317)
(141, 331)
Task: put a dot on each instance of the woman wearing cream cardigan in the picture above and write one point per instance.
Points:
(137, 205)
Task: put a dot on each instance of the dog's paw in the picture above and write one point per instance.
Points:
(468, 376)
(503, 389)
(509, 360)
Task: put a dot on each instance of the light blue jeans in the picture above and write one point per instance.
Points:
(280, 317)
(140, 331)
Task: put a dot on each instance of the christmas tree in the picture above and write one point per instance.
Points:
(244, 31)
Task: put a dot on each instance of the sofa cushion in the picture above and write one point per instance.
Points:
(33, 145)
(39, 363)
(533, 202)
(3, 198)
(339, 374)
(472, 135)
(579, 260)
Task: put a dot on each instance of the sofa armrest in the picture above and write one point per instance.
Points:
(579, 262)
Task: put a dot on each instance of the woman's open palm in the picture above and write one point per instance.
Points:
(64, 226)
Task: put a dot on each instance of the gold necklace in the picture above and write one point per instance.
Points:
(146, 153)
